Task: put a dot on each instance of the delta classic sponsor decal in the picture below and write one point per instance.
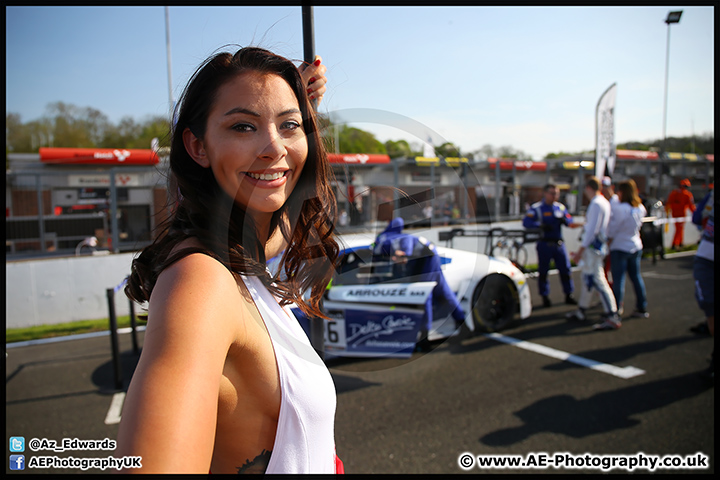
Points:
(387, 333)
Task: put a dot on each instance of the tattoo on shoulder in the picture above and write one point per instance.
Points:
(258, 464)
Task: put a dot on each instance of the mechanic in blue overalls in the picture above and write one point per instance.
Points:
(397, 245)
(549, 215)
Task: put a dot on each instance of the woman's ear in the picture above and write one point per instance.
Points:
(195, 148)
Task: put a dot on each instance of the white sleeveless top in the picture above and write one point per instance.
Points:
(305, 437)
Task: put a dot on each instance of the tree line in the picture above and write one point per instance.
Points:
(67, 125)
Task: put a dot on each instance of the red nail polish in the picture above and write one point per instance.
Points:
(317, 62)
(312, 97)
(309, 91)
(312, 80)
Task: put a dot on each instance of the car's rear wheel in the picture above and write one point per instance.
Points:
(495, 302)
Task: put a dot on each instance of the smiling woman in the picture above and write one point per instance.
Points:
(227, 380)
(254, 143)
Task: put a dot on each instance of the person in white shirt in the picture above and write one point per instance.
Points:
(593, 249)
(626, 246)
(608, 190)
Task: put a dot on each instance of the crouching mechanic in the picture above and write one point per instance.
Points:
(549, 215)
(404, 248)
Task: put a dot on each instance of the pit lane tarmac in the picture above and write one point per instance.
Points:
(478, 395)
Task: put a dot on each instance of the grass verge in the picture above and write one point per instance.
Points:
(86, 326)
(61, 329)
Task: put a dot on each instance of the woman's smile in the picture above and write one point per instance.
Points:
(268, 179)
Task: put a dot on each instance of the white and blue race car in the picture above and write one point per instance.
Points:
(378, 305)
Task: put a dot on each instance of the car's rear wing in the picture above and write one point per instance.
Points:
(528, 235)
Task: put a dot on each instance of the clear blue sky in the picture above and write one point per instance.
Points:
(525, 77)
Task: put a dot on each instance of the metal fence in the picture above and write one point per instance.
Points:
(59, 211)
(81, 211)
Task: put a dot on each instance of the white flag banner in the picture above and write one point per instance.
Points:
(428, 148)
(605, 133)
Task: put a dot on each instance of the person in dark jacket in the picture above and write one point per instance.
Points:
(421, 258)
(549, 215)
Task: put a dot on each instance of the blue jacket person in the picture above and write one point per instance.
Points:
(418, 258)
(549, 215)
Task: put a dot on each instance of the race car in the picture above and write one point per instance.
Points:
(377, 305)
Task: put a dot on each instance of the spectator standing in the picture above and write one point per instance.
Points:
(679, 202)
(549, 215)
(343, 220)
(626, 246)
(704, 267)
(593, 249)
(608, 191)
(428, 211)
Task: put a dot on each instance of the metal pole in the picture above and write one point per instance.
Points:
(133, 326)
(497, 189)
(317, 325)
(308, 39)
(664, 133)
(433, 203)
(581, 186)
(114, 338)
(466, 204)
(511, 208)
(667, 63)
(41, 220)
(169, 63)
(113, 213)
(396, 183)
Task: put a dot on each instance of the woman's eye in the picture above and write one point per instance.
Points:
(291, 125)
(243, 127)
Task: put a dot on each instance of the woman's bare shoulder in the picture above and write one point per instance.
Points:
(197, 287)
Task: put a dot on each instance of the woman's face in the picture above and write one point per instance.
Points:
(254, 142)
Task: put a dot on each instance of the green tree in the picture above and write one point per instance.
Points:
(67, 126)
(560, 154)
(506, 151)
(486, 151)
(354, 140)
(17, 134)
(399, 148)
(447, 149)
(154, 127)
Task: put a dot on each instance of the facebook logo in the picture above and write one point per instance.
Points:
(17, 444)
(17, 462)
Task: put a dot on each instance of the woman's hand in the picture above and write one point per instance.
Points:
(314, 79)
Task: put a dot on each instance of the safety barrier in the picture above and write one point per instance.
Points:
(117, 367)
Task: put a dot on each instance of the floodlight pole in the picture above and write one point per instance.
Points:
(673, 17)
(169, 63)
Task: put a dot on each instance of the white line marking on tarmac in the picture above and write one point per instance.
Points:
(621, 372)
(113, 415)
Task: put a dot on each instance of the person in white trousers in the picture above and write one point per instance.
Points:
(590, 256)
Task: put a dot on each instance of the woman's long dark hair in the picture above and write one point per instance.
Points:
(204, 211)
(629, 193)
